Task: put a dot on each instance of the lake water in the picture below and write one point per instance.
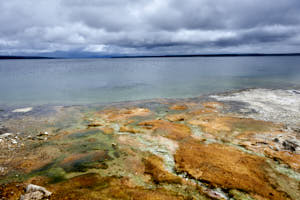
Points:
(83, 81)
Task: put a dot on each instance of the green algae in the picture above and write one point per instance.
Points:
(15, 176)
(238, 195)
(284, 169)
(56, 174)
(85, 133)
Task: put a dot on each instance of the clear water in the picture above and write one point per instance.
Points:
(82, 81)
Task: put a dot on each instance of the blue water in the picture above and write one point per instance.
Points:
(82, 81)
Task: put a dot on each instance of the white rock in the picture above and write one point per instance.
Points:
(2, 170)
(35, 192)
(22, 110)
(5, 135)
(14, 141)
(32, 196)
(33, 188)
(282, 106)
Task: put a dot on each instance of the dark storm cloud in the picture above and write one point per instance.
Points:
(149, 26)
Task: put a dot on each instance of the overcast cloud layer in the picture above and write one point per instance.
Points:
(151, 27)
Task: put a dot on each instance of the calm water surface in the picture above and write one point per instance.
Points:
(82, 81)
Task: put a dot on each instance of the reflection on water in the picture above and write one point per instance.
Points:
(80, 81)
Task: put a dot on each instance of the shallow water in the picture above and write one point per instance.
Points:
(83, 81)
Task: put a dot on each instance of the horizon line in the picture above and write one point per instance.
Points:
(153, 56)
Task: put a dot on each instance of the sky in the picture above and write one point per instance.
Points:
(148, 27)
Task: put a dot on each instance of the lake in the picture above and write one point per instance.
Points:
(85, 81)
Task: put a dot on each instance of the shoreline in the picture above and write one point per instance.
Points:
(167, 148)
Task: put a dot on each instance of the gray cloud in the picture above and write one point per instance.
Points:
(149, 26)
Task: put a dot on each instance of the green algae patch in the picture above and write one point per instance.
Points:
(238, 195)
(83, 162)
(88, 140)
(56, 174)
(14, 176)
(84, 133)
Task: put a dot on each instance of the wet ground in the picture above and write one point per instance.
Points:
(237, 145)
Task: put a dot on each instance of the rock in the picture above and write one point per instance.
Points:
(95, 124)
(176, 117)
(43, 134)
(221, 126)
(213, 105)
(32, 196)
(291, 159)
(13, 141)
(22, 110)
(5, 135)
(178, 107)
(114, 145)
(167, 129)
(123, 114)
(280, 106)
(3, 171)
(226, 167)
(290, 145)
(35, 192)
(154, 166)
(297, 130)
(129, 129)
(107, 130)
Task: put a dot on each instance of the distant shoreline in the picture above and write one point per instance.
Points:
(23, 57)
(156, 56)
(213, 55)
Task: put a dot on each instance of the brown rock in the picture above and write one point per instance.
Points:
(95, 124)
(114, 115)
(107, 130)
(178, 107)
(93, 186)
(213, 105)
(226, 125)
(129, 129)
(291, 159)
(226, 167)
(202, 111)
(176, 117)
(168, 129)
(155, 167)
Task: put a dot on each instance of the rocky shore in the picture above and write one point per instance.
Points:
(241, 145)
